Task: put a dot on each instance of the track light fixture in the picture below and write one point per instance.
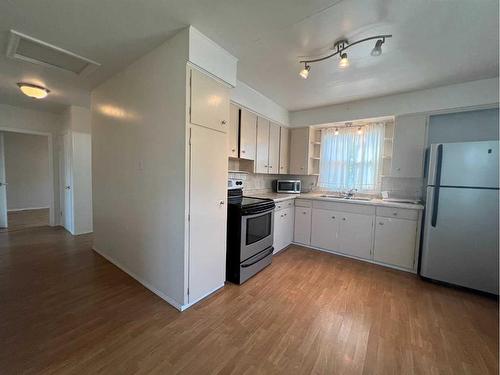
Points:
(340, 47)
(336, 131)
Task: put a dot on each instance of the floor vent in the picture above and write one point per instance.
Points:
(27, 48)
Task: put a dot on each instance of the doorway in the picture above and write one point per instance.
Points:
(26, 181)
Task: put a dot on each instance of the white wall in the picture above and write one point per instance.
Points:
(139, 168)
(27, 171)
(76, 121)
(19, 119)
(252, 99)
(469, 94)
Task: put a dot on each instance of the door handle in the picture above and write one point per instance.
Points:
(67, 187)
(223, 122)
(221, 203)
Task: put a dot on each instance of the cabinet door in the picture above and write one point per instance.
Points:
(274, 148)
(279, 231)
(299, 151)
(284, 150)
(324, 229)
(409, 146)
(262, 157)
(234, 122)
(209, 102)
(248, 134)
(395, 241)
(302, 227)
(355, 234)
(289, 222)
(207, 224)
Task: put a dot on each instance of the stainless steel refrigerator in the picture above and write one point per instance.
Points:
(460, 243)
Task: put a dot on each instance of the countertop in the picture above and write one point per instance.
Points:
(278, 197)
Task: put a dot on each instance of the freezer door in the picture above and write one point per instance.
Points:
(471, 164)
(460, 243)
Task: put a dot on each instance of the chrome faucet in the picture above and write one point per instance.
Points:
(350, 193)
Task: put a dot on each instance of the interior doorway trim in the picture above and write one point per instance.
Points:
(52, 221)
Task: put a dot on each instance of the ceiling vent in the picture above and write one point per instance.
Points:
(24, 47)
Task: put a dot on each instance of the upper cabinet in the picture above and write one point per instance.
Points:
(305, 151)
(248, 134)
(408, 146)
(234, 126)
(284, 150)
(262, 161)
(274, 148)
(209, 102)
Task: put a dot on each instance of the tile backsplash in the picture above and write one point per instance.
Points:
(409, 188)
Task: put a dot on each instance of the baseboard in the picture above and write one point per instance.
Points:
(188, 305)
(27, 209)
(356, 258)
(162, 295)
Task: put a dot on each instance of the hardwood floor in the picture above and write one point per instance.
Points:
(66, 310)
(26, 219)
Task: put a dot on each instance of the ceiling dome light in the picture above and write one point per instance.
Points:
(304, 73)
(377, 50)
(344, 62)
(33, 91)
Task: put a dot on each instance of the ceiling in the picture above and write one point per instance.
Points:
(435, 43)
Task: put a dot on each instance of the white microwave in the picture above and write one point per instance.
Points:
(287, 186)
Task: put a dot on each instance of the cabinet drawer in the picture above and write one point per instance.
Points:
(400, 213)
(303, 203)
(284, 204)
(345, 207)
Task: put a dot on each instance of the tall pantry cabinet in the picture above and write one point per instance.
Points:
(208, 124)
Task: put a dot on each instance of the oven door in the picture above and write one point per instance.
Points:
(256, 233)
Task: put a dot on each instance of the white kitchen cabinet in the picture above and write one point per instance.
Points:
(234, 122)
(302, 226)
(284, 150)
(299, 151)
(209, 102)
(283, 228)
(262, 157)
(274, 148)
(408, 146)
(324, 229)
(248, 134)
(355, 234)
(395, 241)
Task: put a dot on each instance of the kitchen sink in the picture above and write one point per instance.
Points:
(335, 196)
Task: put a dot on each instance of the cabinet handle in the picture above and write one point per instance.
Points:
(304, 212)
(233, 149)
(395, 214)
(343, 218)
(381, 223)
(284, 214)
(221, 203)
(223, 122)
(271, 167)
(242, 151)
(333, 217)
(265, 166)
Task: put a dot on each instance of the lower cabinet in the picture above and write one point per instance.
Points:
(283, 228)
(302, 228)
(343, 232)
(395, 241)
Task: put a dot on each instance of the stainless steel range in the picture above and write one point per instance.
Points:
(250, 226)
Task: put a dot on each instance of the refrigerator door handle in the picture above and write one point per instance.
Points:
(435, 199)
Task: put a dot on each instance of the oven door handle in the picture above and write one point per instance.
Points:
(267, 253)
(257, 210)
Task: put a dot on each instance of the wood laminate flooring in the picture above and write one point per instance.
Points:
(66, 310)
(18, 220)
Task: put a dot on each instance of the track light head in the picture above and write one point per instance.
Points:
(377, 50)
(304, 73)
(344, 61)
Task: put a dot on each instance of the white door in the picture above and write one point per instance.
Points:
(284, 149)
(234, 119)
(67, 183)
(262, 163)
(209, 102)
(355, 234)
(302, 227)
(274, 148)
(325, 228)
(395, 241)
(3, 186)
(248, 134)
(208, 212)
